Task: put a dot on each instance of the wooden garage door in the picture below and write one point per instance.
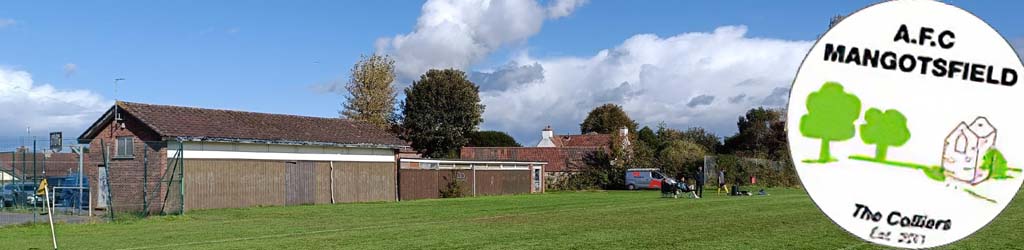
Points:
(300, 183)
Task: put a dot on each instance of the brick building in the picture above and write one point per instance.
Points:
(168, 158)
(564, 154)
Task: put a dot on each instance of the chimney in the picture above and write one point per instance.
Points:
(545, 137)
(624, 133)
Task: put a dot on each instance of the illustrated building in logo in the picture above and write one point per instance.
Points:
(965, 146)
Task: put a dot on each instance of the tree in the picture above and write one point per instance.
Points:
(598, 171)
(884, 129)
(371, 97)
(607, 119)
(709, 141)
(681, 156)
(646, 148)
(441, 110)
(830, 116)
(491, 139)
(735, 173)
(761, 133)
(647, 135)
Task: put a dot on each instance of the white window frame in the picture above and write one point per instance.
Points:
(118, 153)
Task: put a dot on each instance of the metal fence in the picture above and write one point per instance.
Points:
(24, 163)
(95, 180)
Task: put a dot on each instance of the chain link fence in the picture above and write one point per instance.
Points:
(88, 181)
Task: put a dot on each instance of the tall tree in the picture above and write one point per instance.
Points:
(884, 129)
(709, 141)
(830, 116)
(761, 134)
(647, 135)
(491, 139)
(441, 110)
(371, 97)
(607, 119)
(681, 156)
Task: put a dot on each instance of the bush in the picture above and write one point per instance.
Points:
(452, 187)
(598, 172)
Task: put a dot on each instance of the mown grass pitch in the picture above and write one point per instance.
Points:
(584, 220)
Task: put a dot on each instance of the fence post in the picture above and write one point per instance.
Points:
(473, 167)
(34, 177)
(145, 180)
(181, 180)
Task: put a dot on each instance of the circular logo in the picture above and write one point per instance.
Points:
(904, 123)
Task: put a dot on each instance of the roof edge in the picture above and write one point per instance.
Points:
(286, 142)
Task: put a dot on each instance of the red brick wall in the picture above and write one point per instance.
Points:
(129, 177)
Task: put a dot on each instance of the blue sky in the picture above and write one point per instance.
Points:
(277, 56)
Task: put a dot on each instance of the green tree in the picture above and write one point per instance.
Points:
(441, 110)
(884, 129)
(681, 156)
(607, 119)
(830, 116)
(491, 139)
(646, 148)
(706, 139)
(735, 172)
(994, 162)
(761, 134)
(371, 97)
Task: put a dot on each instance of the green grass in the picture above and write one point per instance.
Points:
(585, 220)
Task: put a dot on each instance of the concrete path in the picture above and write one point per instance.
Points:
(9, 218)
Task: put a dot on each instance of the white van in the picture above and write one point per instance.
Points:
(644, 178)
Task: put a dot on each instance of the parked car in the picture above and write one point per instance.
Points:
(17, 193)
(644, 178)
(55, 196)
(69, 193)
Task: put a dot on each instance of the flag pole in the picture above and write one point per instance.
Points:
(49, 213)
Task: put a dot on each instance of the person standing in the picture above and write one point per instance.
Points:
(721, 182)
(700, 178)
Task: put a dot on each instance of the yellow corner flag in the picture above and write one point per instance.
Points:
(42, 188)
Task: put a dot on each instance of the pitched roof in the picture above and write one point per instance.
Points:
(560, 159)
(215, 124)
(57, 165)
(585, 140)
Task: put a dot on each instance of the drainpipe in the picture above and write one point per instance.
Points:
(473, 166)
(332, 182)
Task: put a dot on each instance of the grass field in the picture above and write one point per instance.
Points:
(585, 220)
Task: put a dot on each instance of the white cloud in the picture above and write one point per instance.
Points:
(43, 107)
(4, 22)
(562, 8)
(459, 33)
(70, 69)
(672, 79)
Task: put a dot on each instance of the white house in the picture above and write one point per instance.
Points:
(964, 148)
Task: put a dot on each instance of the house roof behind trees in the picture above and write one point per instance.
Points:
(559, 159)
(214, 124)
(585, 140)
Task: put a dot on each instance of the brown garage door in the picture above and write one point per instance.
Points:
(300, 183)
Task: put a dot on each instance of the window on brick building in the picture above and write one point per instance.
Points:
(125, 147)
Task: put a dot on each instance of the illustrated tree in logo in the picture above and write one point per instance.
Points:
(884, 129)
(830, 116)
